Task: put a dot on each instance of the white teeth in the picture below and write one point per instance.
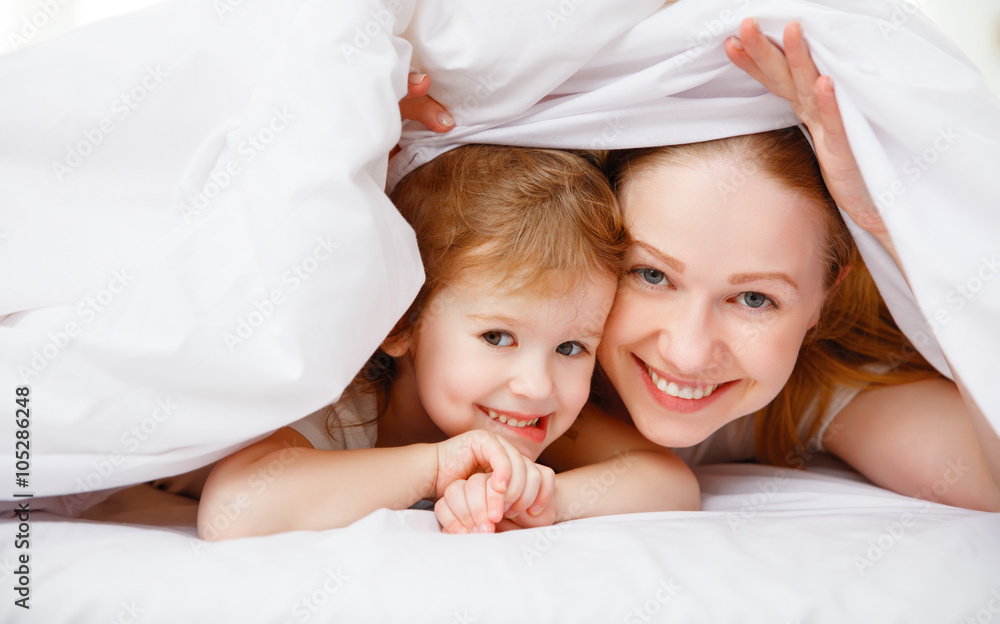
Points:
(683, 392)
(513, 422)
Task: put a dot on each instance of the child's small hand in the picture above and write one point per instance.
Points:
(479, 451)
(463, 507)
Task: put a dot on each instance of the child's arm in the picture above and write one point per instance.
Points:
(608, 468)
(605, 466)
(917, 439)
(283, 484)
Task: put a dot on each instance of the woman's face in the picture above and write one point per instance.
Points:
(724, 281)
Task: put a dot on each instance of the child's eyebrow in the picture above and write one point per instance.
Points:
(497, 318)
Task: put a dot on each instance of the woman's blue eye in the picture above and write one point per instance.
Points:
(499, 338)
(653, 276)
(570, 348)
(754, 300)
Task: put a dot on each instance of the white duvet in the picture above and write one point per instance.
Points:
(772, 546)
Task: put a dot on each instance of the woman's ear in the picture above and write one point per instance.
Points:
(844, 271)
(397, 343)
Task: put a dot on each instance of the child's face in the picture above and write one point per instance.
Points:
(724, 281)
(483, 357)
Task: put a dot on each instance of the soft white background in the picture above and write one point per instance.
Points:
(973, 24)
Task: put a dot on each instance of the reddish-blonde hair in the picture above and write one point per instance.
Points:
(523, 218)
(855, 329)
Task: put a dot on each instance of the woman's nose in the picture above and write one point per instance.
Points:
(689, 341)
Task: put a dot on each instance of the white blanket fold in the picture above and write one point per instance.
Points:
(197, 249)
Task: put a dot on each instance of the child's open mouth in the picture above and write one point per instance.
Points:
(527, 425)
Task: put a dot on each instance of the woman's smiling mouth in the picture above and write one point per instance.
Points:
(678, 396)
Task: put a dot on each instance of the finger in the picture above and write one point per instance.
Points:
(492, 454)
(428, 111)
(738, 55)
(799, 60)
(417, 85)
(518, 475)
(546, 491)
(532, 483)
(476, 488)
(834, 133)
(769, 59)
(507, 525)
(455, 509)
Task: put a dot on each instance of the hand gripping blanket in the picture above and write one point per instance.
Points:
(197, 249)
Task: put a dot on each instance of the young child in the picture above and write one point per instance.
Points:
(522, 251)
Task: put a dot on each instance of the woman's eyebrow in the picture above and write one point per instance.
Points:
(743, 278)
(666, 259)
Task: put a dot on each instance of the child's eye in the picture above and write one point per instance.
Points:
(499, 338)
(570, 348)
(652, 276)
(755, 300)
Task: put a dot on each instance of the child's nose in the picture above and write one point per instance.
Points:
(531, 378)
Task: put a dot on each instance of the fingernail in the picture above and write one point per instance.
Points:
(447, 120)
(533, 510)
(512, 516)
(756, 25)
(483, 528)
(416, 79)
(736, 43)
(463, 530)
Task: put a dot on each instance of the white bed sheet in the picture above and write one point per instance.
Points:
(772, 546)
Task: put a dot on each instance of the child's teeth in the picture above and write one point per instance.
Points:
(682, 392)
(513, 422)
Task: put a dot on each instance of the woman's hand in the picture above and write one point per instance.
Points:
(463, 508)
(792, 75)
(416, 105)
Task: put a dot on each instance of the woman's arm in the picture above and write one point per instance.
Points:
(917, 439)
(282, 483)
(604, 467)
